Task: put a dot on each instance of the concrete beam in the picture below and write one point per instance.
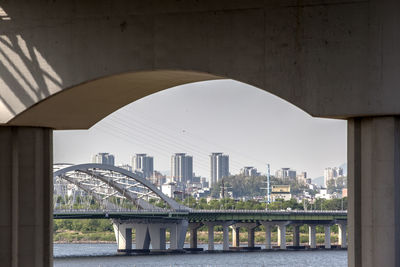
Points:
(26, 193)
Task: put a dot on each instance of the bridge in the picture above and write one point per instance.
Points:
(151, 224)
(68, 64)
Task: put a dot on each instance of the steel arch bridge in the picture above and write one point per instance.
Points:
(103, 181)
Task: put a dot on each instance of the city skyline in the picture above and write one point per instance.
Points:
(203, 117)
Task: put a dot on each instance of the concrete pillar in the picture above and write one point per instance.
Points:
(26, 193)
(312, 238)
(268, 244)
(193, 238)
(250, 237)
(142, 236)
(178, 233)
(235, 236)
(374, 191)
(282, 236)
(123, 236)
(296, 235)
(327, 236)
(225, 237)
(342, 235)
(210, 236)
(193, 234)
(157, 236)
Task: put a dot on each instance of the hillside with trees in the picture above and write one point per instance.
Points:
(254, 186)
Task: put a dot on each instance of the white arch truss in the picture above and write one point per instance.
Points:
(108, 180)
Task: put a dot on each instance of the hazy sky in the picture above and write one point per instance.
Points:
(250, 125)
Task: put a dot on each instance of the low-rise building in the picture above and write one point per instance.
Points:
(280, 192)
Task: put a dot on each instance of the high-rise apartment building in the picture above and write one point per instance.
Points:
(143, 164)
(219, 167)
(181, 168)
(332, 174)
(103, 158)
(286, 174)
(249, 171)
(302, 177)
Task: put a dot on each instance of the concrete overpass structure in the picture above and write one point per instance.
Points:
(150, 222)
(151, 226)
(67, 64)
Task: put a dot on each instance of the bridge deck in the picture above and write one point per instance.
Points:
(204, 215)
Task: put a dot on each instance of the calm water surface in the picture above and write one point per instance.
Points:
(105, 255)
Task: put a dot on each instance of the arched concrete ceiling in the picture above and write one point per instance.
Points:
(67, 64)
(82, 106)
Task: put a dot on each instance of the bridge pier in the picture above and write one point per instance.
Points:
(327, 229)
(374, 189)
(282, 235)
(250, 232)
(312, 238)
(123, 235)
(235, 236)
(210, 227)
(225, 236)
(142, 236)
(177, 234)
(342, 235)
(26, 193)
(250, 235)
(268, 230)
(296, 235)
(157, 236)
(193, 234)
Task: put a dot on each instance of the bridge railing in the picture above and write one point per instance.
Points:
(83, 211)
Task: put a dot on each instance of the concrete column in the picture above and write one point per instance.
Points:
(342, 235)
(282, 236)
(193, 234)
(312, 238)
(142, 236)
(296, 235)
(225, 237)
(123, 235)
(211, 237)
(250, 237)
(327, 236)
(235, 236)
(157, 236)
(178, 234)
(374, 191)
(26, 193)
(193, 238)
(268, 244)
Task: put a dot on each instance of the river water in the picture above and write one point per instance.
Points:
(102, 255)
